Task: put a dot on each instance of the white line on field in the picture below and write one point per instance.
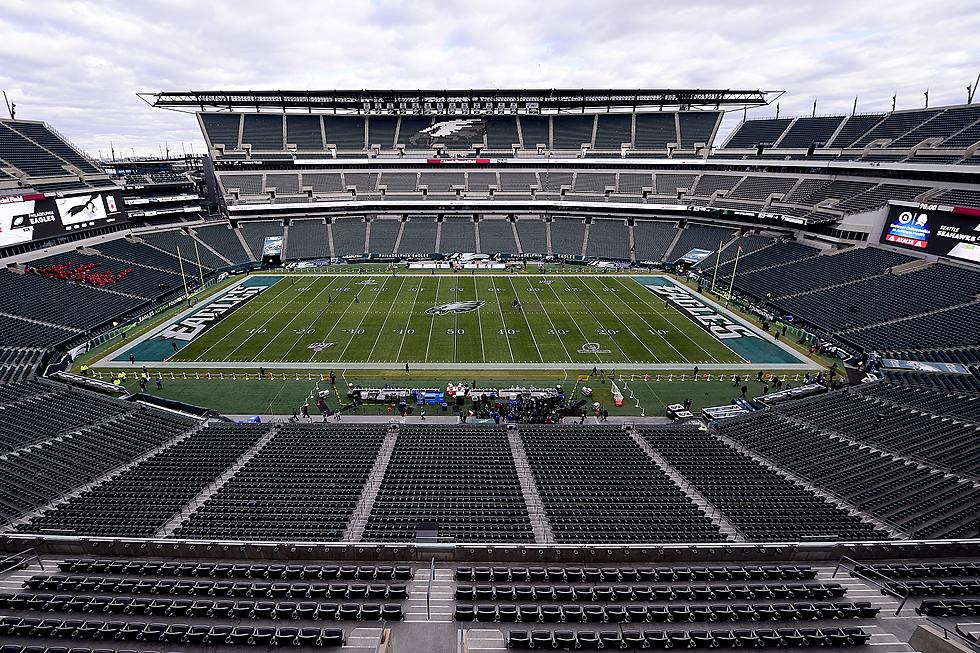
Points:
(411, 312)
(533, 339)
(385, 322)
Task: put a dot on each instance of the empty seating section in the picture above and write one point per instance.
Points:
(143, 255)
(941, 403)
(410, 133)
(957, 197)
(815, 191)
(854, 127)
(535, 131)
(453, 484)
(497, 236)
(922, 436)
(345, 132)
(143, 498)
(592, 182)
(176, 240)
(384, 233)
(520, 182)
(308, 239)
(760, 188)
(481, 181)
(708, 184)
(19, 364)
(442, 182)
(222, 129)
(381, 131)
(598, 486)
(668, 184)
(633, 183)
(894, 125)
(304, 132)
(700, 236)
(951, 327)
(533, 235)
(43, 136)
(62, 303)
(571, 132)
(697, 127)
(567, 236)
(26, 420)
(246, 184)
(32, 477)
(255, 234)
(25, 155)
(263, 132)
(884, 298)
(303, 485)
(608, 239)
(20, 332)
(552, 181)
(819, 272)
(665, 639)
(348, 236)
(958, 383)
(285, 184)
(879, 196)
(757, 500)
(809, 131)
(651, 239)
(399, 182)
(363, 182)
(322, 182)
(224, 241)
(921, 502)
(747, 244)
(946, 123)
(457, 133)
(501, 132)
(655, 130)
(458, 236)
(129, 278)
(612, 131)
(418, 236)
(755, 132)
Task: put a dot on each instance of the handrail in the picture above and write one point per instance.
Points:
(428, 591)
(861, 570)
(19, 554)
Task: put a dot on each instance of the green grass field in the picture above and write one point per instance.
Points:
(603, 320)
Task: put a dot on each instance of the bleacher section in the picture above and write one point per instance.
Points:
(450, 484)
(608, 239)
(307, 240)
(224, 241)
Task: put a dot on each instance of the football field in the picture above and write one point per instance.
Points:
(473, 321)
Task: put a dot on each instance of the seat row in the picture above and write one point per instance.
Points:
(924, 569)
(395, 591)
(771, 638)
(606, 574)
(530, 613)
(202, 607)
(647, 592)
(952, 607)
(171, 633)
(937, 587)
(230, 570)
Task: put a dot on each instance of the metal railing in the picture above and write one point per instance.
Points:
(865, 572)
(20, 558)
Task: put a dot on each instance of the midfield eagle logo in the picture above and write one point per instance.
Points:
(455, 307)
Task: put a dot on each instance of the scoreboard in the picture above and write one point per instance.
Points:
(941, 231)
(26, 218)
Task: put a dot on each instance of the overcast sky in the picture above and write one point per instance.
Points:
(79, 65)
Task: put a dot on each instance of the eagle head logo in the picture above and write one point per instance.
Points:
(455, 307)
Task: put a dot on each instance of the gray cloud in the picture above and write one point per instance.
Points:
(78, 65)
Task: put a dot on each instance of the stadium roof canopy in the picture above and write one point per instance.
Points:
(475, 100)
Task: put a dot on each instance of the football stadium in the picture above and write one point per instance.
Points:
(467, 370)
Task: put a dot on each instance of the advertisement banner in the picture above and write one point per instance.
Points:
(931, 230)
(24, 218)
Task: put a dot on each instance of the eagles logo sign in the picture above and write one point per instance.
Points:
(455, 307)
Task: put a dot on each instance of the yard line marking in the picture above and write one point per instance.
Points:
(680, 356)
(385, 322)
(335, 322)
(261, 326)
(668, 317)
(269, 341)
(616, 313)
(503, 323)
(408, 321)
(361, 321)
(599, 322)
(312, 322)
(479, 321)
(433, 322)
(238, 326)
(533, 339)
(585, 338)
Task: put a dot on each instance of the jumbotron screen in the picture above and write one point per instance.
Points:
(24, 218)
(955, 233)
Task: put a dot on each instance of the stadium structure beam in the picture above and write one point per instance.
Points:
(475, 100)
